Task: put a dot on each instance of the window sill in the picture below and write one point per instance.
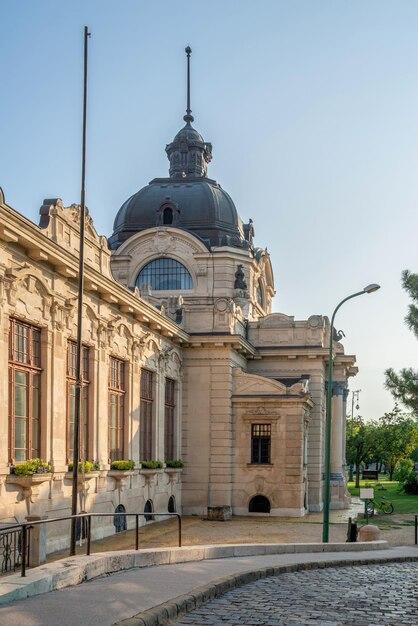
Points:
(258, 465)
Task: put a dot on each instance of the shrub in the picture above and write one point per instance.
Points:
(83, 467)
(30, 467)
(411, 484)
(174, 463)
(122, 465)
(403, 470)
(151, 464)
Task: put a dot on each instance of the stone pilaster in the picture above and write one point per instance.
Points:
(337, 431)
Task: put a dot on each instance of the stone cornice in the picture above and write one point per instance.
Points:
(18, 230)
(221, 340)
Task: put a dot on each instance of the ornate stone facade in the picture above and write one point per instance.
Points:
(181, 310)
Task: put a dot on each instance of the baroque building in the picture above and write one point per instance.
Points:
(183, 358)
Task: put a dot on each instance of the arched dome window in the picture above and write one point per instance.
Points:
(164, 274)
(168, 215)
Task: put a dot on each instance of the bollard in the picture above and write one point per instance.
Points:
(352, 531)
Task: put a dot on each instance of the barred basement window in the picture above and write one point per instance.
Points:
(260, 443)
(24, 391)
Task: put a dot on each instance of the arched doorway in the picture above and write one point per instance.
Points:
(259, 504)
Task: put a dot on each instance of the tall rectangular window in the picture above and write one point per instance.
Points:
(24, 391)
(71, 388)
(169, 419)
(260, 443)
(146, 415)
(116, 409)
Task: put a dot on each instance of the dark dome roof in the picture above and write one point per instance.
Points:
(188, 133)
(188, 199)
(199, 205)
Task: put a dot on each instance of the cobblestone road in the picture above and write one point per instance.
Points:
(373, 595)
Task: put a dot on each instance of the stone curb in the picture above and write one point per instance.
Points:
(77, 569)
(163, 614)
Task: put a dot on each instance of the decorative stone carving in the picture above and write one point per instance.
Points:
(256, 385)
(339, 388)
(163, 242)
(276, 320)
(315, 321)
(337, 335)
(119, 476)
(240, 282)
(28, 487)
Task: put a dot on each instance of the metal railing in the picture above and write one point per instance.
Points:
(11, 549)
(24, 528)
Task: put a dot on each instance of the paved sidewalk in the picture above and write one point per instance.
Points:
(105, 601)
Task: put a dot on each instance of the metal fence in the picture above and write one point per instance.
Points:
(16, 537)
(11, 549)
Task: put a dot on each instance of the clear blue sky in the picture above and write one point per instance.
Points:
(312, 110)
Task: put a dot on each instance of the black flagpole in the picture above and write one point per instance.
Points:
(79, 373)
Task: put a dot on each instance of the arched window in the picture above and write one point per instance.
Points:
(259, 294)
(259, 504)
(149, 508)
(168, 215)
(119, 521)
(171, 505)
(164, 274)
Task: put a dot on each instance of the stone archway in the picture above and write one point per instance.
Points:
(259, 504)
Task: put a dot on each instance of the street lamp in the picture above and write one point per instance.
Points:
(325, 525)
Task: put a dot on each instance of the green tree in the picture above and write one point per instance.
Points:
(404, 384)
(361, 443)
(396, 438)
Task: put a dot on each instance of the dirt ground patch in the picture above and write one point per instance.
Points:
(397, 530)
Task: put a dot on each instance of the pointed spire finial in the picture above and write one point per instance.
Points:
(188, 117)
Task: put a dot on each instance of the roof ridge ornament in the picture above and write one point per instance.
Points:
(188, 118)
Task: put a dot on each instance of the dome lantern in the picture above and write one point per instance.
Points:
(188, 153)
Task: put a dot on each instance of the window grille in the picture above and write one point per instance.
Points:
(260, 443)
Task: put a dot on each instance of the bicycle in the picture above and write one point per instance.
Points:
(382, 505)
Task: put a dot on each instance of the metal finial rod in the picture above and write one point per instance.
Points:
(188, 117)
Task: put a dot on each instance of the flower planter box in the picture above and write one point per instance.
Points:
(28, 486)
(120, 475)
